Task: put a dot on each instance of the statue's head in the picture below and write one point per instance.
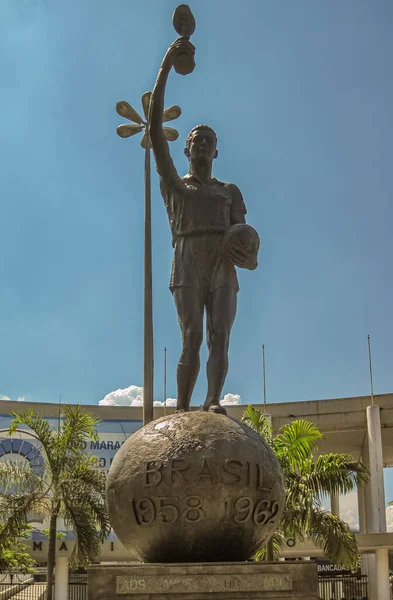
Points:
(201, 144)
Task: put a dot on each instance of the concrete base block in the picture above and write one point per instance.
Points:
(203, 581)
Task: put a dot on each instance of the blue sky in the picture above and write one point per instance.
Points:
(300, 94)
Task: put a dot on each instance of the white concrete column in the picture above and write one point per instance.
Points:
(367, 488)
(362, 526)
(335, 504)
(382, 569)
(368, 559)
(375, 511)
(378, 571)
(61, 578)
(372, 576)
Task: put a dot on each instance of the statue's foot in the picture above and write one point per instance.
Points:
(216, 408)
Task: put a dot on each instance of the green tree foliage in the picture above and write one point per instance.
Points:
(14, 556)
(309, 477)
(71, 486)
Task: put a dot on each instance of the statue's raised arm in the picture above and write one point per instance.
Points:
(181, 49)
(180, 55)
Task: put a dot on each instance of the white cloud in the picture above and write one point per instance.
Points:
(133, 396)
(231, 400)
(107, 402)
(138, 401)
(171, 401)
(20, 399)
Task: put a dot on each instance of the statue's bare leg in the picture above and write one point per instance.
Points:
(190, 308)
(220, 311)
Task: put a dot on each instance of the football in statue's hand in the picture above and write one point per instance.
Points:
(241, 244)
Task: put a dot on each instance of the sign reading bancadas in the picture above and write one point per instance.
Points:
(328, 569)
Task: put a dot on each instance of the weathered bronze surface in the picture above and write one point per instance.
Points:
(194, 487)
(201, 210)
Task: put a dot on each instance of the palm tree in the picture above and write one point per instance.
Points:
(308, 478)
(70, 487)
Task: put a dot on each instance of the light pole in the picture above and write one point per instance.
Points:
(126, 130)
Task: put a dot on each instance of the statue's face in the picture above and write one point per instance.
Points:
(203, 146)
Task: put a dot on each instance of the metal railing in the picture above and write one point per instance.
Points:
(344, 587)
(15, 586)
(77, 586)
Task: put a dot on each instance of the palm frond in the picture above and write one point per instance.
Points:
(258, 422)
(334, 537)
(333, 474)
(38, 425)
(83, 523)
(293, 524)
(277, 542)
(297, 440)
(14, 512)
(86, 472)
(18, 476)
(24, 504)
(80, 425)
(91, 500)
(84, 485)
(77, 428)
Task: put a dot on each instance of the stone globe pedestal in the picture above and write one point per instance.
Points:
(195, 487)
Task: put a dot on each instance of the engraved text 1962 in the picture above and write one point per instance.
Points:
(169, 509)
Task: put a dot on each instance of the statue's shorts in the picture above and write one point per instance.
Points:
(200, 263)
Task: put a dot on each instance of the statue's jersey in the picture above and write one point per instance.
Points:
(199, 214)
(194, 207)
